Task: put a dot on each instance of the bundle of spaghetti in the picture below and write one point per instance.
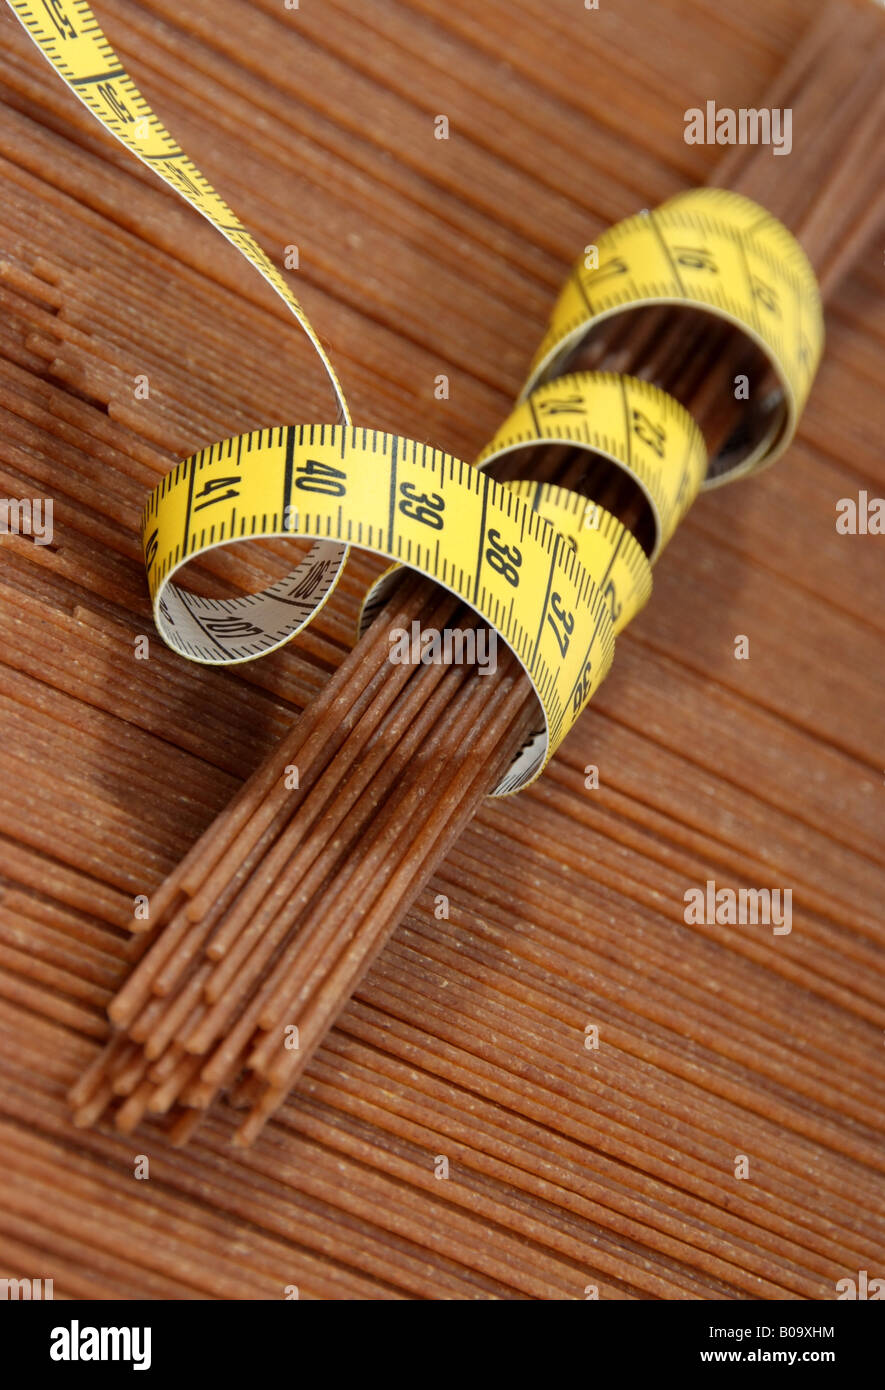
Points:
(414, 1071)
(264, 930)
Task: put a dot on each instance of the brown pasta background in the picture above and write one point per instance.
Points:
(568, 1166)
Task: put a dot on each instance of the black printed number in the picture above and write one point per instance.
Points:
(615, 266)
(313, 476)
(216, 490)
(426, 507)
(653, 435)
(119, 110)
(62, 22)
(506, 559)
(559, 405)
(151, 546)
(695, 258)
(767, 296)
(614, 607)
(581, 692)
(562, 622)
(231, 627)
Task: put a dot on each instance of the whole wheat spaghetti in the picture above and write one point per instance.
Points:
(467, 1039)
(279, 909)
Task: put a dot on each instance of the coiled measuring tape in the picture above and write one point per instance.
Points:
(715, 251)
(556, 575)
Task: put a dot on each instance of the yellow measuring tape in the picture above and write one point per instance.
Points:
(637, 427)
(716, 251)
(552, 572)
